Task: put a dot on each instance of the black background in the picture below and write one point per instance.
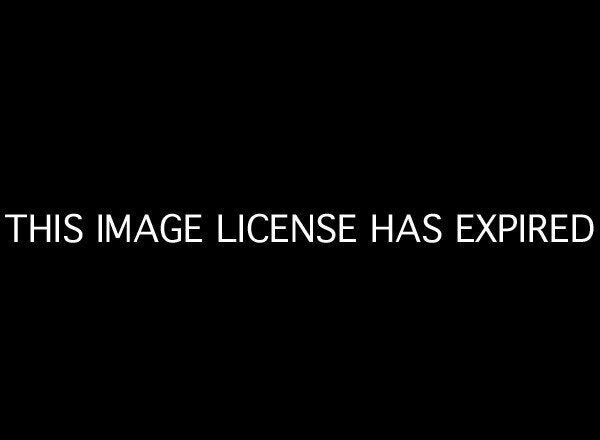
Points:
(381, 113)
